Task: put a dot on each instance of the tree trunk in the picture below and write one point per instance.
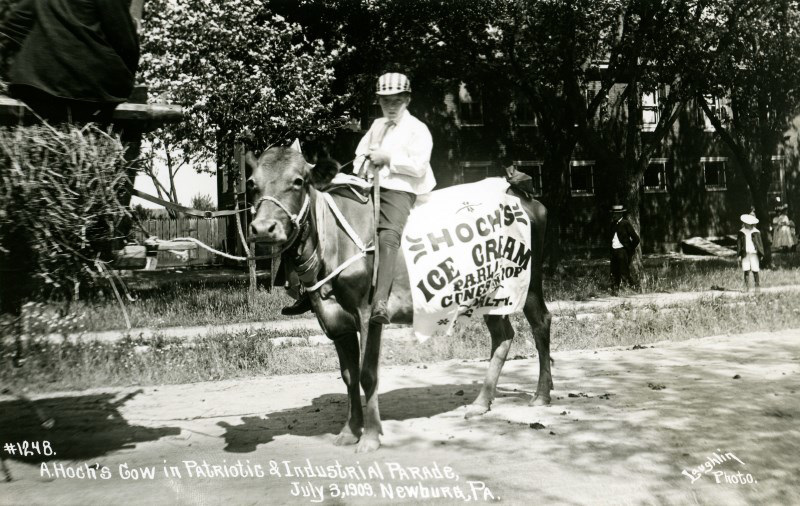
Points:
(556, 170)
(632, 197)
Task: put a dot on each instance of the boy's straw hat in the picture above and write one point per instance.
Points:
(749, 219)
(393, 83)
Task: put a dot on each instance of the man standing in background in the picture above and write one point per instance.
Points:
(624, 241)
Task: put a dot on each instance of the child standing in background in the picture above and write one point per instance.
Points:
(750, 250)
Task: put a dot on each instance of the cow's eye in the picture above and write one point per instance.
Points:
(298, 182)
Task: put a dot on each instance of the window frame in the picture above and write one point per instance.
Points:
(590, 164)
(465, 164)
(473, 102)
(533, 163)
(654, 108)
(715, 159)
(532, 122)
(662, 188)
(715, 104)
(781, 168)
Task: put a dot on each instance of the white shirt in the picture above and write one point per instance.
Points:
(615, 242)
(749, 245)
(409, 145)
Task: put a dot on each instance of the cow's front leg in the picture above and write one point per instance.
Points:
(340, 326)
(347, 349)
(371, 353)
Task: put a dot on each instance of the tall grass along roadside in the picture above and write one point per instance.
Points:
(138, 362)
(59, 203)
(199, 303)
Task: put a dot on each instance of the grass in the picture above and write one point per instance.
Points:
(198, 303)
(67, 366)
(667, 275)
(184, 304)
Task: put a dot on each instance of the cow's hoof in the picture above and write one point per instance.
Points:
(474, 410)
(540, 400)
(345, 438)
(368, 444)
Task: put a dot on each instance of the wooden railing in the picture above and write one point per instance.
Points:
(212, 232)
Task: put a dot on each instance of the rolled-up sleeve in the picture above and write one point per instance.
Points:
(415, 158)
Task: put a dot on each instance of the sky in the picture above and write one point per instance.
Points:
(188, 183)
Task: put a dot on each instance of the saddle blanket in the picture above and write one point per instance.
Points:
(468, 252)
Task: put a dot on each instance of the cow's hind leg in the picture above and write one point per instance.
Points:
(502, 333)
(347, 349)
(539, 319)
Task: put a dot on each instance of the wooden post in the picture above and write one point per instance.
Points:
(251, 252)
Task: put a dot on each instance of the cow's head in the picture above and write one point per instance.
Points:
(278, 189)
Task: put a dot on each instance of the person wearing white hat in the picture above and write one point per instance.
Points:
(783, 230)
(750, 250)
(399, 146)
(624, 241)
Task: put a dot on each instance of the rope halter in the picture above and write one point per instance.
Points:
(296, 219)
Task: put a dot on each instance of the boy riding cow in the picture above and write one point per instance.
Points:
(396, 150)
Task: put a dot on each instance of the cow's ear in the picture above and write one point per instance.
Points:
(296, 146)
(323, 172)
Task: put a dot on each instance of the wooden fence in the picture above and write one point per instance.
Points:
(212, 232)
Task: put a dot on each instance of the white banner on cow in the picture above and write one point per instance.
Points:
(468, 252)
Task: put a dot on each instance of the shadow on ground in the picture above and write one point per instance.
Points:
(83, 427)
(622, 421)
(646, 415)
(327, 414)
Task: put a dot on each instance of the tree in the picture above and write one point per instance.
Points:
(141, 213)
(203, 202)
(754, 62)
(581, 65)
(243, 74)
(549, 50)
(654, 52)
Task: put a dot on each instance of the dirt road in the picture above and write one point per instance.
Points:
(679, 423)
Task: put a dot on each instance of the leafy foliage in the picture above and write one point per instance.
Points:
(142, 213)
(203, 202)
(243, 73)
(752, 64)
(59, 200)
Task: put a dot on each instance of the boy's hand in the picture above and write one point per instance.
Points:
(379, 157)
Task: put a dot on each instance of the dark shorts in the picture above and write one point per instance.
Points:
(395, 207)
